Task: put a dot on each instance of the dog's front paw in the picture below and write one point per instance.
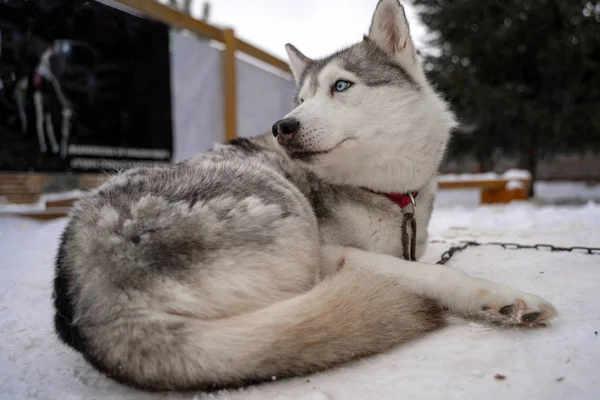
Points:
(513, 308)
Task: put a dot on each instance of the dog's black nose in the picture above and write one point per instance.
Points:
(286, 127)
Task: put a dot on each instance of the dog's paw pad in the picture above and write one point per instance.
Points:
(524, 310)
(530, 317)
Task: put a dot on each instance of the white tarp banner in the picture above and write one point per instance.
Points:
(263, 98)
(197, 96)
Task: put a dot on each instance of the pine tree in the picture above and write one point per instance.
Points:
(525, 73)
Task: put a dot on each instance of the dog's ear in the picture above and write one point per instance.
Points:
(298, 61)
(389, 30)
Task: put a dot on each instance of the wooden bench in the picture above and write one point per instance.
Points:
(493, 190)
(43, 196)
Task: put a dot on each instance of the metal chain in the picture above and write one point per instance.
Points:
(448, 254)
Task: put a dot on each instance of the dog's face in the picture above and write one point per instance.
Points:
(345, 102)
(366, 104)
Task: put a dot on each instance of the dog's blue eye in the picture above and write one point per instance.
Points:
(341, 85)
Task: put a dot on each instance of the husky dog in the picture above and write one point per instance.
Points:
(283, 254)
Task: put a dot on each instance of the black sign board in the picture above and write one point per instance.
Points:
(83, 87)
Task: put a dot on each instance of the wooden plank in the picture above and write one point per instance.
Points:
(58, 212)
(230, 85)
(64, 203)
(502, 196)
(21, 198)
(498, 184)
(20, 177)
(27, 188)
(23, 183)
(173, 17)
(263, 56)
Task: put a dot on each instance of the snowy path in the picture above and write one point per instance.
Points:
(459, 362)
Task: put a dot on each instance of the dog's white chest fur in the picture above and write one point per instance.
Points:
(378, 226)
(374, 229)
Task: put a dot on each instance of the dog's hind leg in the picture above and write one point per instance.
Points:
(451, 288)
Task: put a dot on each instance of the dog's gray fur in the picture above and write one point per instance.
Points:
(260, 259)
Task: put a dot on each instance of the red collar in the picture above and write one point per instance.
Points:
(401, 199)
(408, 220)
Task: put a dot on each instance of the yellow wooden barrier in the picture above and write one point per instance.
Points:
(492, 191)
(230, 85)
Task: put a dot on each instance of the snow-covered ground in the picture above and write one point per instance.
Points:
(461, 361)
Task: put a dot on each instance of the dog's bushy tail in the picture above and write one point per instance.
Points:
(349, 315)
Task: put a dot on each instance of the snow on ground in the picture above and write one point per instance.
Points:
(458, 362)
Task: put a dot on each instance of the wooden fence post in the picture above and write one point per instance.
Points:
(230, 85)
